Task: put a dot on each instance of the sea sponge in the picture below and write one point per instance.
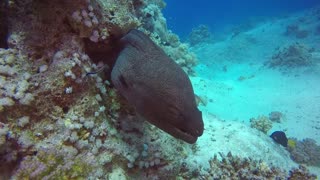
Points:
(262, 123)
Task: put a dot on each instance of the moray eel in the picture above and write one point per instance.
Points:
(156, 87)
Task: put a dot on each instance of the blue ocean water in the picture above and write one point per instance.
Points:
(183, 16)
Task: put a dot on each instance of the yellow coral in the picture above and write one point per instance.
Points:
(291, 144)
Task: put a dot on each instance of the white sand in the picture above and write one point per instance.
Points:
(239, 139)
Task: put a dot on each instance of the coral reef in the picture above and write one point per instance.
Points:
(233, 167)
(305, 151)
(296, 31)
(56, 121)
(293, 56)
(276, 116)
(97, 23)
(199, 34)
(301, 173)
(56, 163)
(262, 123)
(14, 79)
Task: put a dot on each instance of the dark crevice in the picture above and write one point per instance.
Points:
(4, 24)
(103, 52)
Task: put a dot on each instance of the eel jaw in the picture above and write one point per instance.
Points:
(179, 133)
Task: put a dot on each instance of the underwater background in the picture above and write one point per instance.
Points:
(218, 15)
(65, 113)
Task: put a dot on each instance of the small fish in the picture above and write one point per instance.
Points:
(280, 138)
(157, 87)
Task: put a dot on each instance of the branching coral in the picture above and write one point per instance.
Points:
(301, 173)
(233, 167)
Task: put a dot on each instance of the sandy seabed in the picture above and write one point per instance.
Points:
(237, 86)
